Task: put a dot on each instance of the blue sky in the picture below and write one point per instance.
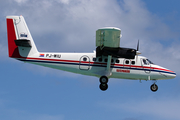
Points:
(34, 93)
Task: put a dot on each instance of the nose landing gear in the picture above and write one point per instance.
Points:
(154, 87)
(103, 80)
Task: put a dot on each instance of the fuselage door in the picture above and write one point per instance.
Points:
(84, 63)
(146, 65)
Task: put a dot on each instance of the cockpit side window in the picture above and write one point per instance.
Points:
(149, 61)
(145, 62)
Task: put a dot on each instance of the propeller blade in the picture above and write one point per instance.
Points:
(138, 46)
(137, 51)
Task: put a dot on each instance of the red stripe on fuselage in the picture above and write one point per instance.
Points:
(98, 63)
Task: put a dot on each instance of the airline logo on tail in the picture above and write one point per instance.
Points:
(23, 35)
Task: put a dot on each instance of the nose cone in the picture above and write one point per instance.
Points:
(168, 74)
(171, 75)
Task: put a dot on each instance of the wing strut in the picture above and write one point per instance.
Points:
(109, 73)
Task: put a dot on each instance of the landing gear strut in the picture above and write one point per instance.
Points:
(103, 80)
(154, 87)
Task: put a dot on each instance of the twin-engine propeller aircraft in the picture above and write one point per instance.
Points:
(109, 60)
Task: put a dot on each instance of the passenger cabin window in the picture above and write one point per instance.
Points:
(94, 59)
(100, 59)
(127, 61)
(84, 59)
(112, 60)
(132, 62)
(117, 61)
(105, 60)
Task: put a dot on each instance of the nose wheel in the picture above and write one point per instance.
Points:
(154, 87)
(103, 83)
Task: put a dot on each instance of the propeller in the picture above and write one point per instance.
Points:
(137, 51)
(138, 46)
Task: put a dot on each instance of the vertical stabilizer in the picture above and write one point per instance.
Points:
(20, 41)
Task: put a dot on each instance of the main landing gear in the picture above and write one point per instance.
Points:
(103, 83)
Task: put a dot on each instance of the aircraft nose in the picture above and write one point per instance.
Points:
(172, 75)
(169, 74)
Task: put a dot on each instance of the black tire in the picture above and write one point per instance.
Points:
(103, 87)
(154, 87)
(103, 80)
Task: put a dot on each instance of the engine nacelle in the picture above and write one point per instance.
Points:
(108, 37)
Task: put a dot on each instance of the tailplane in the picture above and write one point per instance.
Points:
(20, 41)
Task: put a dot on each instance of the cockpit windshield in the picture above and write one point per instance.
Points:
(145, 62)
(149, 61)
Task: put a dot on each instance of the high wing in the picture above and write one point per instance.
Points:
(108, 45)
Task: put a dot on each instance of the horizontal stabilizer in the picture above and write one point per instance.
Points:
(23, 43)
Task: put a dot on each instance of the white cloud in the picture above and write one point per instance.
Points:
(3, 52)
(163, 108)
(10, 113)
(70, 26)
(24, 115)
(48, 117)
(20, 1)
(63, 1)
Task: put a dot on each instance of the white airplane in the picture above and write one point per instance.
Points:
(108, 61)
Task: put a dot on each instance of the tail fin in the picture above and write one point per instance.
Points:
(20, 42)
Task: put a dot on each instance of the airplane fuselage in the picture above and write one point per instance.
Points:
(88, 64)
